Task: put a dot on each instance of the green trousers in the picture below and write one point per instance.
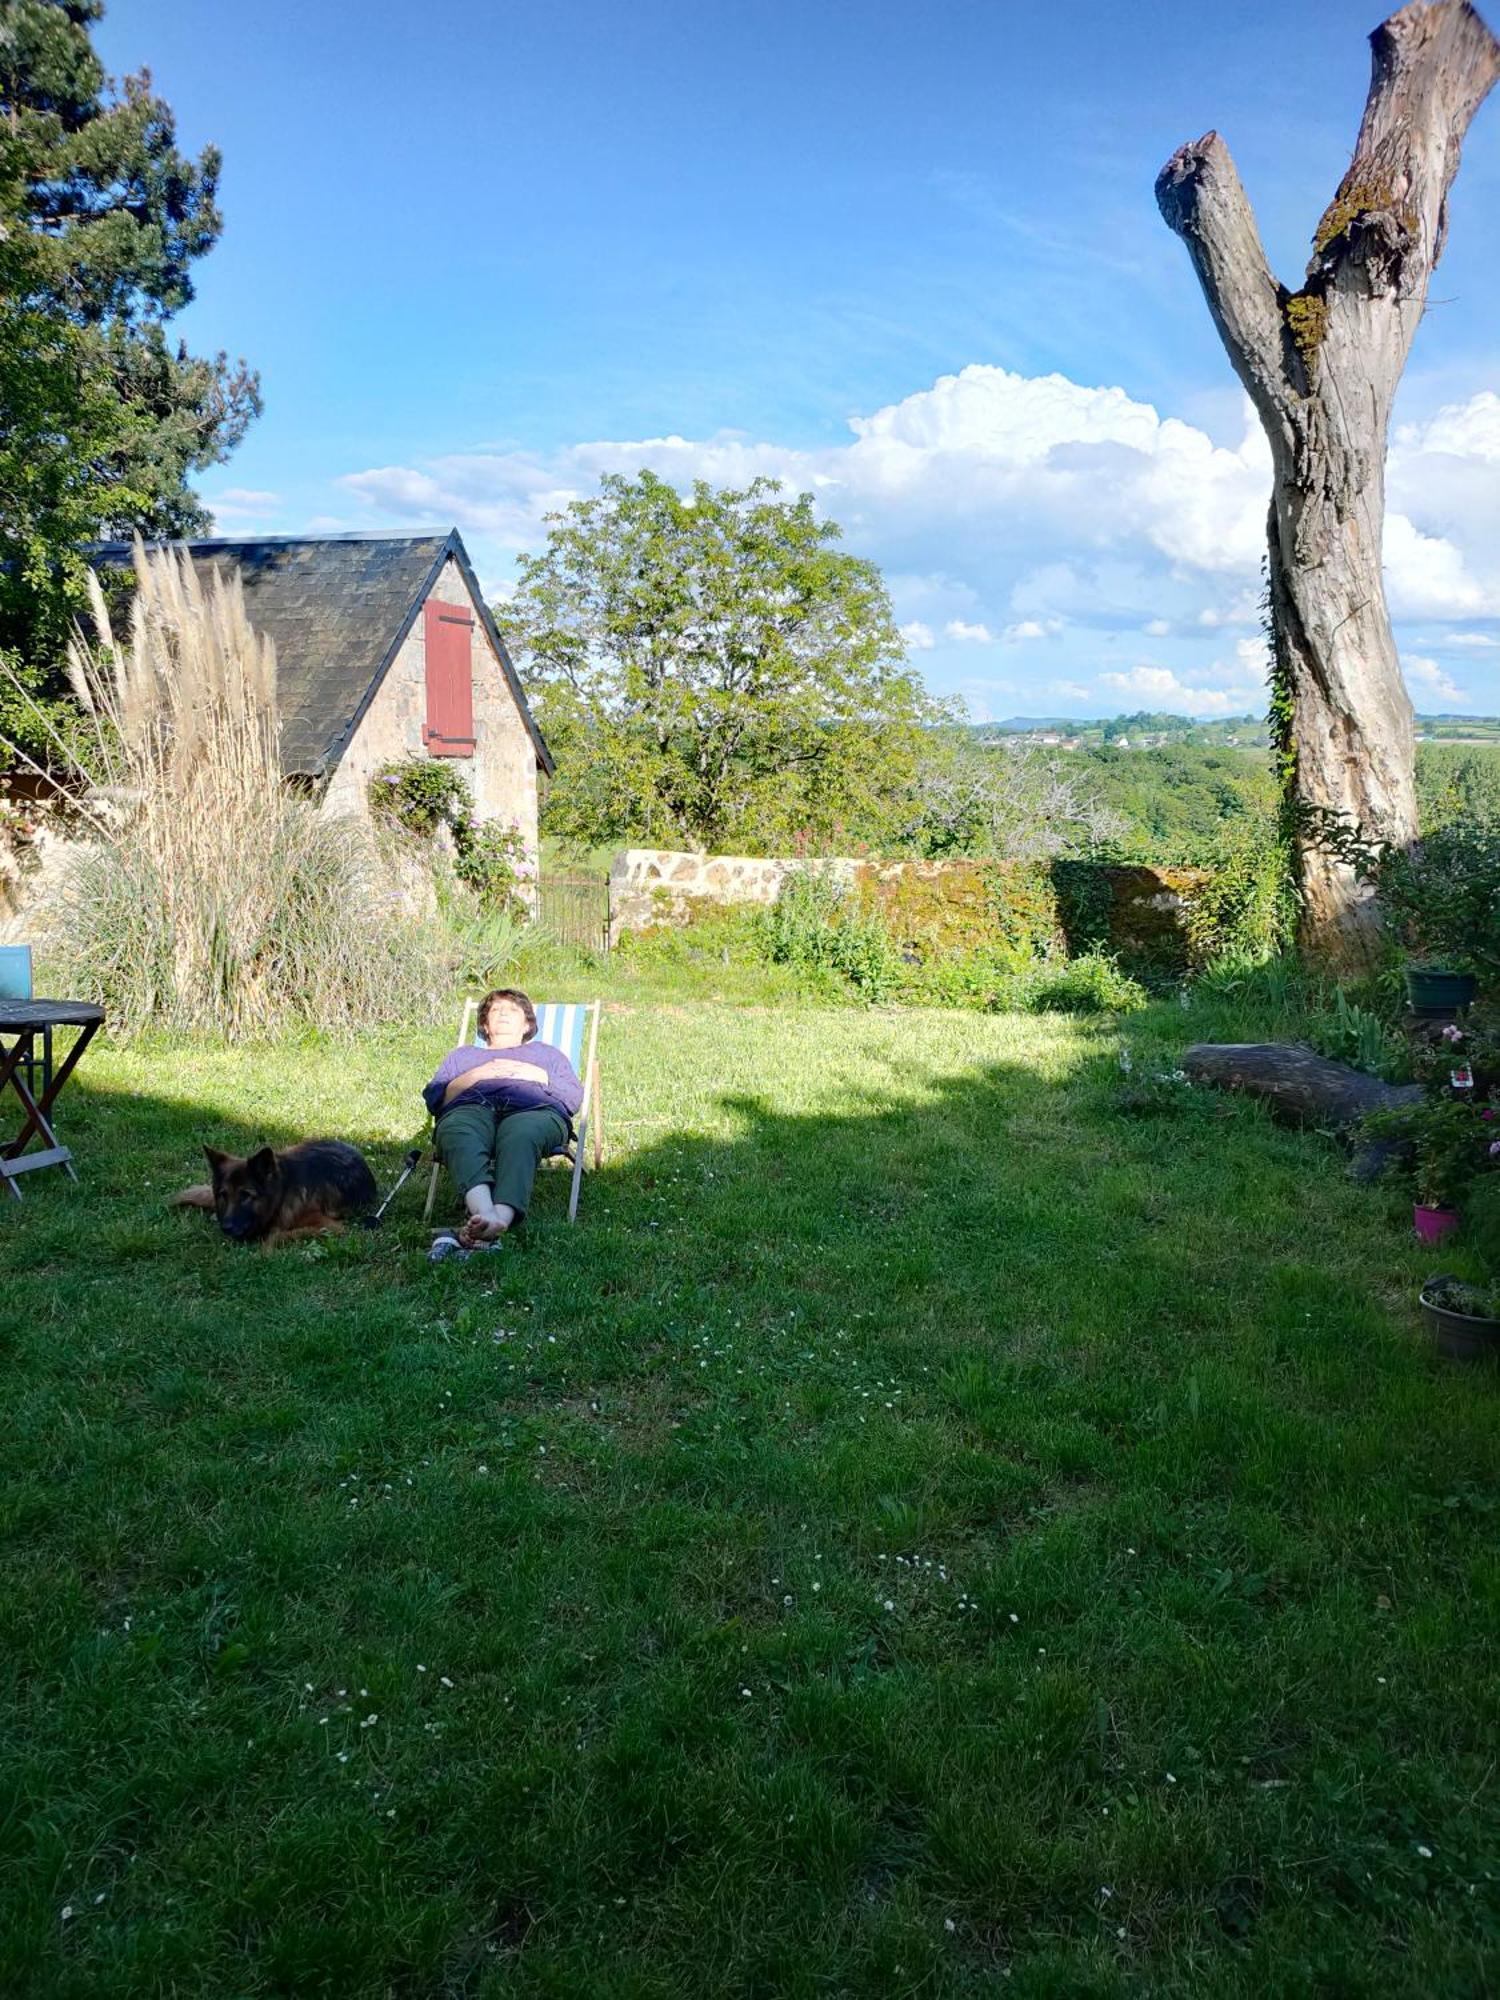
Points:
(484, 1146)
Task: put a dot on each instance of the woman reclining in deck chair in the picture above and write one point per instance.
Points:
(500, 1110)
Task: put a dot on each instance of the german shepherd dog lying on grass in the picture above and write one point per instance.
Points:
(302, 1190)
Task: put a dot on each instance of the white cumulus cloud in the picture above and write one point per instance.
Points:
(1014, 507)
(242, 506)
(1459, 430)
(1426, 677)
(1160, 688)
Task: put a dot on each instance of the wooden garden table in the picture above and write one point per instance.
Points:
(28, 1020)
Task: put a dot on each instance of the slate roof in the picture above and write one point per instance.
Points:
(337, 608)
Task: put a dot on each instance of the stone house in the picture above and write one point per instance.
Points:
(385, 649)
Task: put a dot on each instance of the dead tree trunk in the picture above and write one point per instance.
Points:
(1321, 366)
(1300, 1086)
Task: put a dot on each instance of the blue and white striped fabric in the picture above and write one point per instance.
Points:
(562, 1025)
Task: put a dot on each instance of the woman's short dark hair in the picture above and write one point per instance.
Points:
(507, 993)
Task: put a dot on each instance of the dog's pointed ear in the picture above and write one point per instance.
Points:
(218, 1163)
(262, 1166)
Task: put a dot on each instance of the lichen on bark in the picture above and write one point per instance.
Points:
(1307, 322)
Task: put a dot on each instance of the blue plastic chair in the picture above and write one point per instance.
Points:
(573, 1027)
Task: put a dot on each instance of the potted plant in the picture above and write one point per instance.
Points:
(1450, 1147)
(1438, 992)
(1441, 899)
(1448, 1142)
(1463, 1317)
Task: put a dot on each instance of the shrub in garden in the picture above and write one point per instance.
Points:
(1090, 984)
(1440, 897)
(493, 861)
(1245, 909)
(1451, 1146)
(417, 796)
(817, 925)
(1454, 1133)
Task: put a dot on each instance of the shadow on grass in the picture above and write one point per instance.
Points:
(1008, 1214)
(868, 1532)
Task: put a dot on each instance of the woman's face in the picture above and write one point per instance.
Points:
(504, 1025)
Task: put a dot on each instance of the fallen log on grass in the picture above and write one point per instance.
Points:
(1297, 1084)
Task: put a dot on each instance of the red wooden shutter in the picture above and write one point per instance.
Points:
(447, 635)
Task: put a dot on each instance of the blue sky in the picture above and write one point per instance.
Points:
(904, 254)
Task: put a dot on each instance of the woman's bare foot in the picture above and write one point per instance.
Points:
(482, 1229)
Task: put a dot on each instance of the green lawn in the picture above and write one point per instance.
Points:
(924, 1532)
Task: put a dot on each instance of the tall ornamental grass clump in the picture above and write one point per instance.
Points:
(211, 897)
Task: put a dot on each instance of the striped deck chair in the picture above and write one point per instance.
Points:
(572, 1027)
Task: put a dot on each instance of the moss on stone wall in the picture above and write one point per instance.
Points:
(942, 909)
(1013, 913)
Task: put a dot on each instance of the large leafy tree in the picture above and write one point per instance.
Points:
(103, 419)
(712, 667)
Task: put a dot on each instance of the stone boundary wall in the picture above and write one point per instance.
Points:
(650, 887)
(653, 885)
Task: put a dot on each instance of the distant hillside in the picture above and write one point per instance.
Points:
(1143, 731)
(1150, 730)
(1180, 799)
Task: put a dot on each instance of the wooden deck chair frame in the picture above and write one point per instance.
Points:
(590, 1119)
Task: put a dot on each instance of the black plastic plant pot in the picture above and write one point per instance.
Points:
(1434, 993)
(1457, 1335)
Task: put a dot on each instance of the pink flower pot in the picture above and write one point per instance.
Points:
(1433, 1224)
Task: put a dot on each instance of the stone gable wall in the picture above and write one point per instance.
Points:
(502, 772)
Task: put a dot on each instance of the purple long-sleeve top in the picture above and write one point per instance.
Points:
(562, 1091)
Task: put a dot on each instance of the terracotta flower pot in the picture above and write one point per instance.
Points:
(1433, 1224)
